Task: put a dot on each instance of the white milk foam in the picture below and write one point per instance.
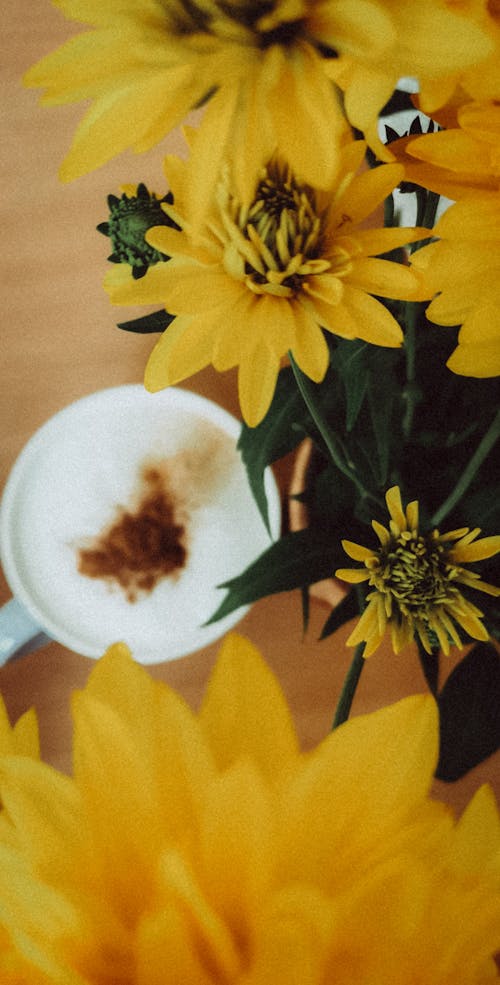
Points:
(84, 464)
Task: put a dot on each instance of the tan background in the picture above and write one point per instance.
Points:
(59, 342)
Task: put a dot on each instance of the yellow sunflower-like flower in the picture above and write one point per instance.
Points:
(416, 582)
(200, 850)
(463, 271)
(259, 281)
(265, 68)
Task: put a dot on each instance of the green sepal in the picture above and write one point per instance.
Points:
(157, 321)
(278, 434)
(298, 559)
(344, 611)
(469, 711)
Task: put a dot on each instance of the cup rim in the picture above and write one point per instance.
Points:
(176, 399)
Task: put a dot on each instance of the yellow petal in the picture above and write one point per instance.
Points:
(256, 722)
(162, 370)
(45, 807)
(395, 507)
(309, 347)
(123, 289)
(304, 85)
(365, 775)
(476, 841)
(357, 551)
(366, 192)
(384, 278)
(381, 532)
(353, 575)
(257, 376)
(476, 551)
(374, 323)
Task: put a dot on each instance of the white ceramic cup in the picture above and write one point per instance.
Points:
(67, 484)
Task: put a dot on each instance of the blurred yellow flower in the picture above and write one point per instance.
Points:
(416, 580)
(434, 42)
(145, 63)
(207, 849)
(463, 271)
(257, 282)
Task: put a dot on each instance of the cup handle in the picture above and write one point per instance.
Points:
(19, 633)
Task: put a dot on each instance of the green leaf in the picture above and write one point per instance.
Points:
(157, 321)
(350, 363)
(299, 558)
(381, 401)
(469, 709)
(345, 610)
(278, 434)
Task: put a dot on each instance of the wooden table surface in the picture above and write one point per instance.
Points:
(59, 341)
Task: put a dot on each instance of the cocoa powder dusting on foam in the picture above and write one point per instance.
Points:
(143, 544)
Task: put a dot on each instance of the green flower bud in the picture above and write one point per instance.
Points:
(130, 217)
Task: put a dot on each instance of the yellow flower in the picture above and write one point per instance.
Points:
(416, 580)
(260, 281)
(435, 42)
(207, 849)
(463, 270)
(145, 63)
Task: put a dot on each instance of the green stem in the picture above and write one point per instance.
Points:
(306, 389)
(412, 391)
(349, 687)
(483, 449)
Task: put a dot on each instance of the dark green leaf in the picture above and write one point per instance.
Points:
(469, 709)
(350, 363)
(157, 321)
(346, 609)
(380, 400)
(279, 433)
(299, 558)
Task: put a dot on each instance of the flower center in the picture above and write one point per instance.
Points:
(260, 24)
(412, 571)
(276, 241)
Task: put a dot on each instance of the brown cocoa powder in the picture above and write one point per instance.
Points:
(144, 544)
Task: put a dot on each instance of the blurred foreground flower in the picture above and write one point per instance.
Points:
(416, 581)
(145, 64)
(261, 281)
(208, 849)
